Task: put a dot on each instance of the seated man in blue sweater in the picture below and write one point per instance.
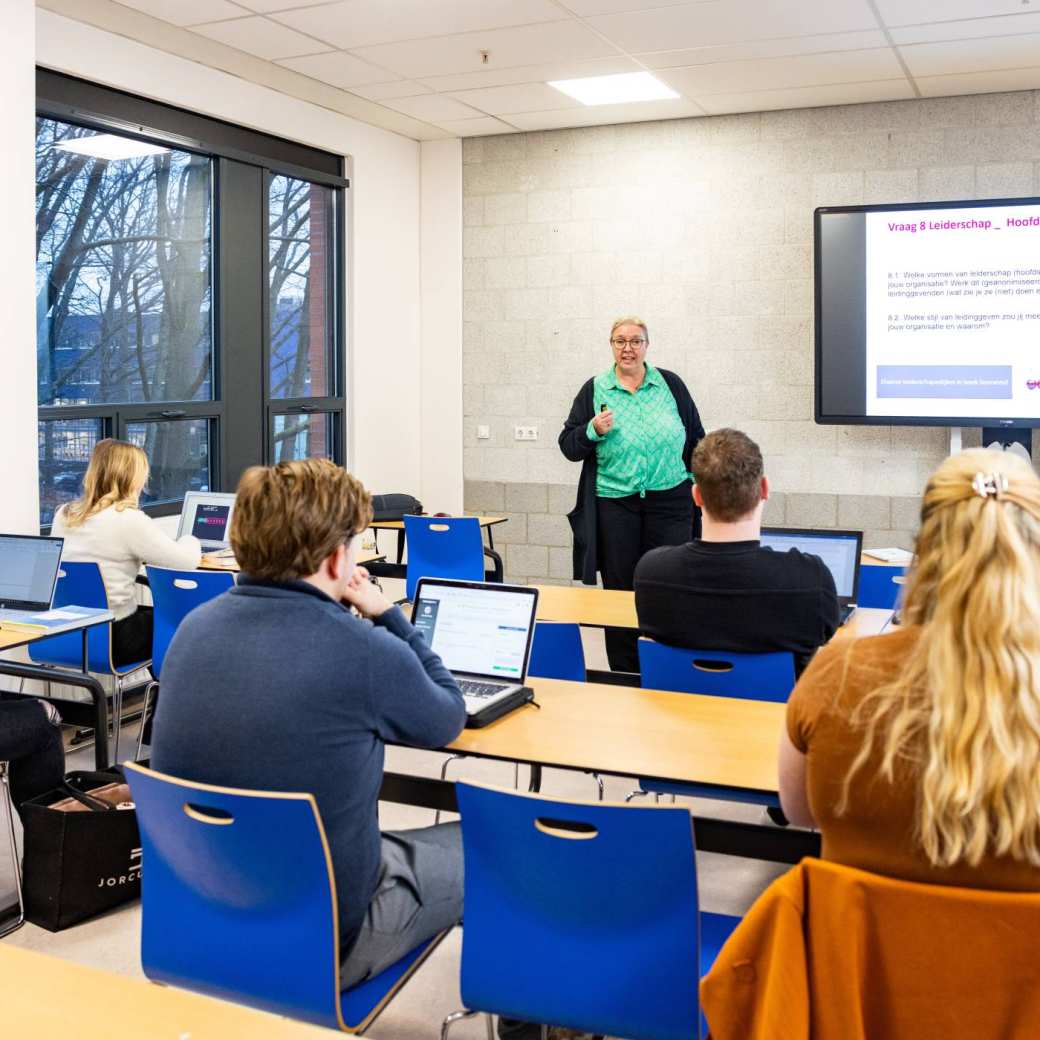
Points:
(277, 685)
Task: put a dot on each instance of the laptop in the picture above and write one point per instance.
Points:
(482, 631)
(839, 550)
(207, 516)
(28, 575)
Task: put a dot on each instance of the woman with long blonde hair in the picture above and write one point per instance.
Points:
(106, 526)
(917, 752)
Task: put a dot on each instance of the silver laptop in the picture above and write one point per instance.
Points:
(482, 631)
(841, 551)
(28, 574)
(207, 516)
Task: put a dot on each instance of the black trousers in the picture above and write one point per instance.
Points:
(628, 528)
(33, 746)
(132, 637)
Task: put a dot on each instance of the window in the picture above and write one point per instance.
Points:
(189, 293)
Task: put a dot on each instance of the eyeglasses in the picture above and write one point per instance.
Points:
(637, 342)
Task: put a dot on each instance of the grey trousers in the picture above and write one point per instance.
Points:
(419, 894)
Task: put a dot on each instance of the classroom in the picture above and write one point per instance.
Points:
(571, 463)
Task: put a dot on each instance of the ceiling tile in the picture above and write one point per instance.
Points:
(731, 21)
(266, 6)
(398, 89)
(804, 70)
(480, 127)
(444, 55)
(971, 29)
(979, 82)
(497, 77)
(339, 69)
(603, 115)
(186, 12)
(588, 7)
(261, 37)
(959, 56)
(524, 97)
(433, 108)
(765, 49)
(364, 23)
(806, 97)
(913, 12)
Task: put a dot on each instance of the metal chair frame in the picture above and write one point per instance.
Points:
(8, 807)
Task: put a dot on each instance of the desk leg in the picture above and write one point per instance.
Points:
(18, 670)
(491, 537)
(86, 651)
(536, 779)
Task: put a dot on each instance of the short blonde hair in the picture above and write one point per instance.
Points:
(630, 320)
(115, 477)
(291, 517)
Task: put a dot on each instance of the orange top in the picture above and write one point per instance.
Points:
(831, 953)
(876, 832)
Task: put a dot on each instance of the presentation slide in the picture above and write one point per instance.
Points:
(211, 523)
(953, 312)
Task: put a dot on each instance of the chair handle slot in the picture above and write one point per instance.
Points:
(574, 830)
(899, 579)
(207, 814)
(62, 574)
(185, 583)
(439, 527)
(702, 665)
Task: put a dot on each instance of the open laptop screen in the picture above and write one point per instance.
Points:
(476, 628)
(28, 571)
(207, 516)
(839, 550)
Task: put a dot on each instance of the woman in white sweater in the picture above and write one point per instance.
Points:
(105, 526)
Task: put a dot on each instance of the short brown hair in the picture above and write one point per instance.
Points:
(727, 465)
(290, 517)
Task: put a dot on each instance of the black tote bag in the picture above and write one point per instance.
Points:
(80, 863)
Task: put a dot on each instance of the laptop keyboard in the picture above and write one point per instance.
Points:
(471, 688)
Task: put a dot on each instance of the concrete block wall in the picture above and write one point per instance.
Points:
(704, 228)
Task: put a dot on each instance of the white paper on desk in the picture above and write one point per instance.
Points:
(57, 615)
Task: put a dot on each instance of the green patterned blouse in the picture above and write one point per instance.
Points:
(643, 450)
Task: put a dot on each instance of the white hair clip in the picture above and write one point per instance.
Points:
(986, 484)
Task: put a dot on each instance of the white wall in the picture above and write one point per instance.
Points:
(384, 339)
(19, 505)
(441, 367)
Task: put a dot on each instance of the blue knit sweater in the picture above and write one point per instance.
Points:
(277, 687)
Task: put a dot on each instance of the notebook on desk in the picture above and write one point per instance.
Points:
(839, 550)
(28, 575)
(482, 631)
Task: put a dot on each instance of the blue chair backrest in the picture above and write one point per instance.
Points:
(443, 547)
(752, 677)
(581, 915)
(174, 595)
(556, 652)
(238, 895)
(79, 584)
(880, 586)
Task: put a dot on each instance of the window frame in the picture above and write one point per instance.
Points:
(240, 412)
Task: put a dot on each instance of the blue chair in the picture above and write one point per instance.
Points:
(758, 677)
(80, 584)
(444, 547)
(174, 595)
(562, 927)
(880, 586)
(239, 902)
(556, 652)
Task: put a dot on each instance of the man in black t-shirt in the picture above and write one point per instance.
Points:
(724, 591)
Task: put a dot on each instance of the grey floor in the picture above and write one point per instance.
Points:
(727, 885)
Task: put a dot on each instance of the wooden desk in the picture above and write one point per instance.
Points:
(50, 999)
(213, 562)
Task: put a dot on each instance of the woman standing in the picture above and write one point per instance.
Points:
(917, 752)
(633, 427)
(105, 526)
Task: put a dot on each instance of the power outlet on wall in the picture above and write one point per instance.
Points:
(525, 433)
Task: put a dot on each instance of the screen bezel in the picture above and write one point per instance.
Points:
(824, 419)
(193, 499)
(528, 590)
(819, 532)
(31, 604)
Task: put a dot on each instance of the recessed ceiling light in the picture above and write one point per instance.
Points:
(615, 90)
(111, 147)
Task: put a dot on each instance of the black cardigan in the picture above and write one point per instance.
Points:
(576, 446)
